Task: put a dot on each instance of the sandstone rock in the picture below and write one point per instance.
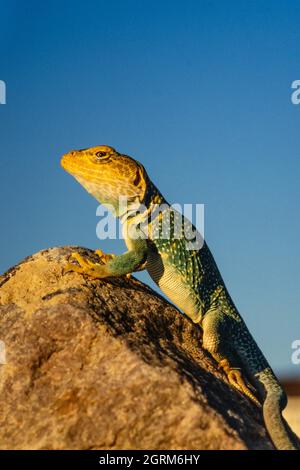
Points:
(109, 365)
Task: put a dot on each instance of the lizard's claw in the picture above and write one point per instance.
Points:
(235, 379)
(85, 266)
(84, 263)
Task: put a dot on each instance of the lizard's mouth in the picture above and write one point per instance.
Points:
(63, 162)
(66, 161)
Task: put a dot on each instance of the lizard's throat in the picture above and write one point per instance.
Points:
(119, 206)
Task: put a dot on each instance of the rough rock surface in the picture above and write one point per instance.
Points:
(108, 365)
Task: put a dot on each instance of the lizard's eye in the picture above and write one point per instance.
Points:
(100, 154)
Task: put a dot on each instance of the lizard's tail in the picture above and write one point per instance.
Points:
(281, 434)
(272, 396)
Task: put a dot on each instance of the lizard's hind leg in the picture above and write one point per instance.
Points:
(216, 339)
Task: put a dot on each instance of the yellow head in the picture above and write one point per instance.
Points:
(107, 174)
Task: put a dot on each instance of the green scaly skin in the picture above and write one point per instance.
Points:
(189, 277)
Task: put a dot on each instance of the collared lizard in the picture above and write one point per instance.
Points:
(187, 275)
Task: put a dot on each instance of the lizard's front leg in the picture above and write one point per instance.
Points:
(215, 340)
(114, 266)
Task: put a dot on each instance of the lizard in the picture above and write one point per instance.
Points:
(187, 275)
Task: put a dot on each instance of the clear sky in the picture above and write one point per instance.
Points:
(200, 93)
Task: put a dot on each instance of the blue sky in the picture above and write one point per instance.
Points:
(200, 93)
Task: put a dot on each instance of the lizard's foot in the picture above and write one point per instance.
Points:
(85, 266)
(105, 257)
(236, 380)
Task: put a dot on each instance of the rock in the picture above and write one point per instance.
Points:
(109, 365)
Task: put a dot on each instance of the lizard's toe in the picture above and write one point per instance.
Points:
(104, 257)
(85, 266)
(236, 380)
